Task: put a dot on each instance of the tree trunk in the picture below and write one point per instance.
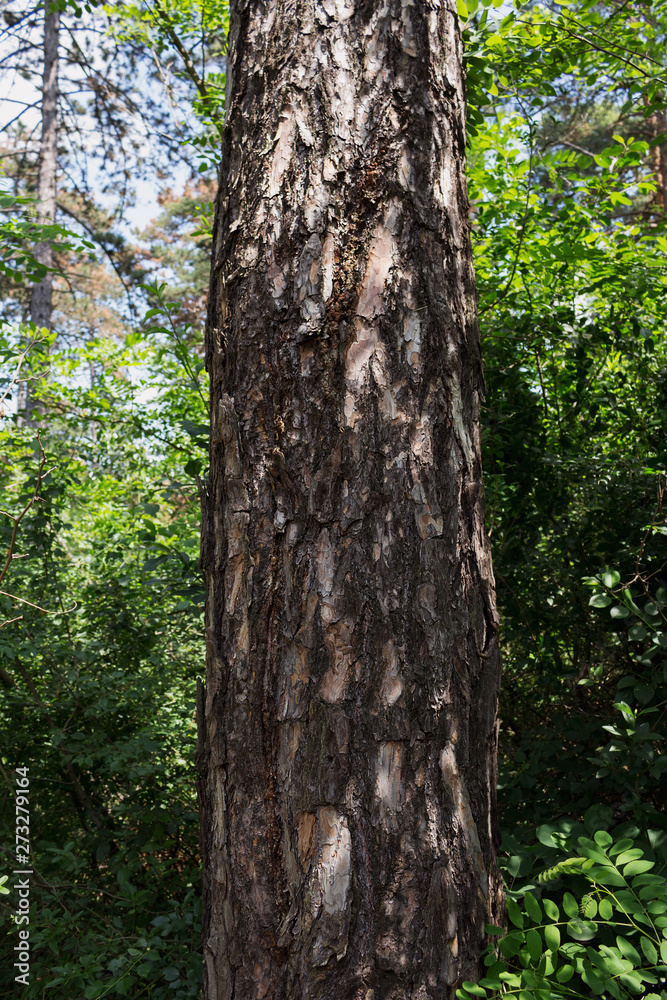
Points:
(41, 299)
(348, 724)
(41, 296)
(659, 155)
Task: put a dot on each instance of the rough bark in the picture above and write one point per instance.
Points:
(348, 724)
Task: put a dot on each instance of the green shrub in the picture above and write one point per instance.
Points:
(593, 923)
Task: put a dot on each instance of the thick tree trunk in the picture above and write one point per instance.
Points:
(348, 725)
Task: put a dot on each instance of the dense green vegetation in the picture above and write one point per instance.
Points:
(102, 606)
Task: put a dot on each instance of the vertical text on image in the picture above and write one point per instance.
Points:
(23, 871)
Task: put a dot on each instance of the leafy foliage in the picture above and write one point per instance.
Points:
(19, 232)
(99, 691)
(595, 922)
(102, 599)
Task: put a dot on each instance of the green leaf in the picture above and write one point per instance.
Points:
(534, 944)
(606, 875)
(649, 950)
(611, 578)
(628, 950)
(551, 909)
(193, 467)
(474, 989)
(511, 944)
(544, 834)
(621, 845)
(565, 973)
(632, 982)
(532, 907)
(611, 960)
(631, 855)
(552, 937)
(605, 909)
(644, 693)
(637, 868)
(593, 978)
(570, 905)
(582, 930)
(514, 913)
(619, 611)
(600, 601)
(591, 850)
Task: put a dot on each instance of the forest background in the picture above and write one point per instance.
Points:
(103, 440)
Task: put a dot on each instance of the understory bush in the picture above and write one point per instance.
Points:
(587, 895)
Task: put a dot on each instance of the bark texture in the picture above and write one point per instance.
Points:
(348, 724)
(41, 299)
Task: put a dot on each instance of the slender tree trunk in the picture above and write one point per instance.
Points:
(658, 203)
(348, 724)
(41, 300)
(660, 161)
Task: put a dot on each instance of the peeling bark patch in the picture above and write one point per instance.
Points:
(327, 267)
(405, 175)
(464, 815)
(295, 676)
(305, 826)
(360, 352)
(330, 889)
(413, 338)
(389, 781)
(261, 986)
(388, 405)
(325, 563)
(365, 352)
(338, 641)
(380, 260)
(421, 442)
(392, 682)
(289, 741)
(429, 520)
(282, 153)
(462, 434)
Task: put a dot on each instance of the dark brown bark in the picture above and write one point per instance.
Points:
(348, 726)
